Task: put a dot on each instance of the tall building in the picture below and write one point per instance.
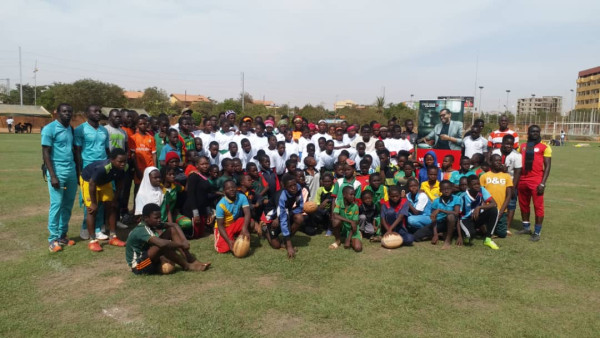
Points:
(539, 105)
(588, 89)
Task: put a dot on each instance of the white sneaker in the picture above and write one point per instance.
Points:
(84, 234)
(121, 225)
(101, 236)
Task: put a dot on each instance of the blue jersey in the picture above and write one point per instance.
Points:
(440, 204)
(60, 139)
(93, 143)
(471, 202)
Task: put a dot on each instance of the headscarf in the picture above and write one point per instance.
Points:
(147, 193)
(423, 172)
(228, 113)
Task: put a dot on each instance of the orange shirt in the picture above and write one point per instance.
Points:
(142, 146)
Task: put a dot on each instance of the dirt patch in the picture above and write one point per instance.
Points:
(123, 314)
(12, 248)
(267, 281)
(278, 324)
(69, 280)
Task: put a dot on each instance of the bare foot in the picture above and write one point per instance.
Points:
(446, 246)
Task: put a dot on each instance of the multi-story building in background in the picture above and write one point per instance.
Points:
(552, 105)
(588, 89)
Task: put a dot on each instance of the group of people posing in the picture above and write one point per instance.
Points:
(233, 176)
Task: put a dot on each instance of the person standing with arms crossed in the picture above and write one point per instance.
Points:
(61, 173)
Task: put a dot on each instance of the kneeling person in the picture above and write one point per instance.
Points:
(153, 243)
(286, 216)
(97, 186)
(233, 217)
(345, 221)
(480, 211)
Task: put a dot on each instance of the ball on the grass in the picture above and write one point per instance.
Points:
(241, 246)
(391, 241)
(310, 207)
(167, 268)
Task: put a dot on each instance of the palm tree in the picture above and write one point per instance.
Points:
(380, 103)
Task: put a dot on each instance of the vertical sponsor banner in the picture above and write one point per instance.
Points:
(429, 113)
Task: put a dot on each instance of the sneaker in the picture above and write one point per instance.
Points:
(329, 233)
(491, 244)
(116, 242)
(101, 236)
(121, 225)
(64, 241)
(84, 234)
(534, 237)
(127, 219)
(524, 232)
(94, 246)
(54, 246)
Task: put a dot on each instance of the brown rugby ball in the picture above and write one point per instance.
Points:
(241, 246)
(310, 207)
(391, 241)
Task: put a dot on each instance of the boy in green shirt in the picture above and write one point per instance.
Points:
(345, 221)
(153, 243)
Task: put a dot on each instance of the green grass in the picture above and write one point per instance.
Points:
(550, 288)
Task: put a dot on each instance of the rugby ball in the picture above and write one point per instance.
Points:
(167, 268)
(241, 246)
(310, 207)
(391, 241)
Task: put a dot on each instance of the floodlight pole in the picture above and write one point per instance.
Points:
(35, 70)
(20, 77)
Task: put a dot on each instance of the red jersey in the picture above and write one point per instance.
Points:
(540, 151)
(364, 181)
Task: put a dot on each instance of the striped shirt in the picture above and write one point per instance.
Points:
(495, 138)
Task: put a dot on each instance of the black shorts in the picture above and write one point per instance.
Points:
(145, 266)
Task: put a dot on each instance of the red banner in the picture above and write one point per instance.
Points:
(439, 153)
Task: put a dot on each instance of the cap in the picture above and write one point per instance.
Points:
(269, 123)
(171, 155)
(312, 126)
(187, 109)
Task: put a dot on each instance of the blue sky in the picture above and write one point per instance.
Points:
(308, 51)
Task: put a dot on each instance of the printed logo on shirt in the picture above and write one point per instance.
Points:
(495, 180)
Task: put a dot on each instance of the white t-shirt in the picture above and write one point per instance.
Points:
(10, 121)
(512, 161)
(325, 160)
(349, 140)
(224, 139)
(206, 139)
(259, 142)
(369, 146)
(472, 147)
(395, 145)
(315, 138)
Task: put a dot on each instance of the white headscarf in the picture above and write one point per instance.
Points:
(147, 193)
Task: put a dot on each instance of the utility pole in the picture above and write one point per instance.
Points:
(20, 77)
(243, 92)
(533, 102)
(475, 91)
(35, 70)
(479, 109)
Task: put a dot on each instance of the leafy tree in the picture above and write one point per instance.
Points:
(380, 103)
(400, 111)
(83, 93)
(154, 101)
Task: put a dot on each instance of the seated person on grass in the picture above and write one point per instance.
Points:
(228, 174)
(345, 221)
(168, 208)
(153, 243)
(96, 183)
(255, 201)
(285, 215)
(322, 217)
(480, 211)
(500, 185)
(393, 215)
(369, 213)
(233, 217)
(446, 211)
(419, 207)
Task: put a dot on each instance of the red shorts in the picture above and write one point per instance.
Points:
(527, 191)
(232, 231)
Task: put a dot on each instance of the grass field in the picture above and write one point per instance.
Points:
(549, 288)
